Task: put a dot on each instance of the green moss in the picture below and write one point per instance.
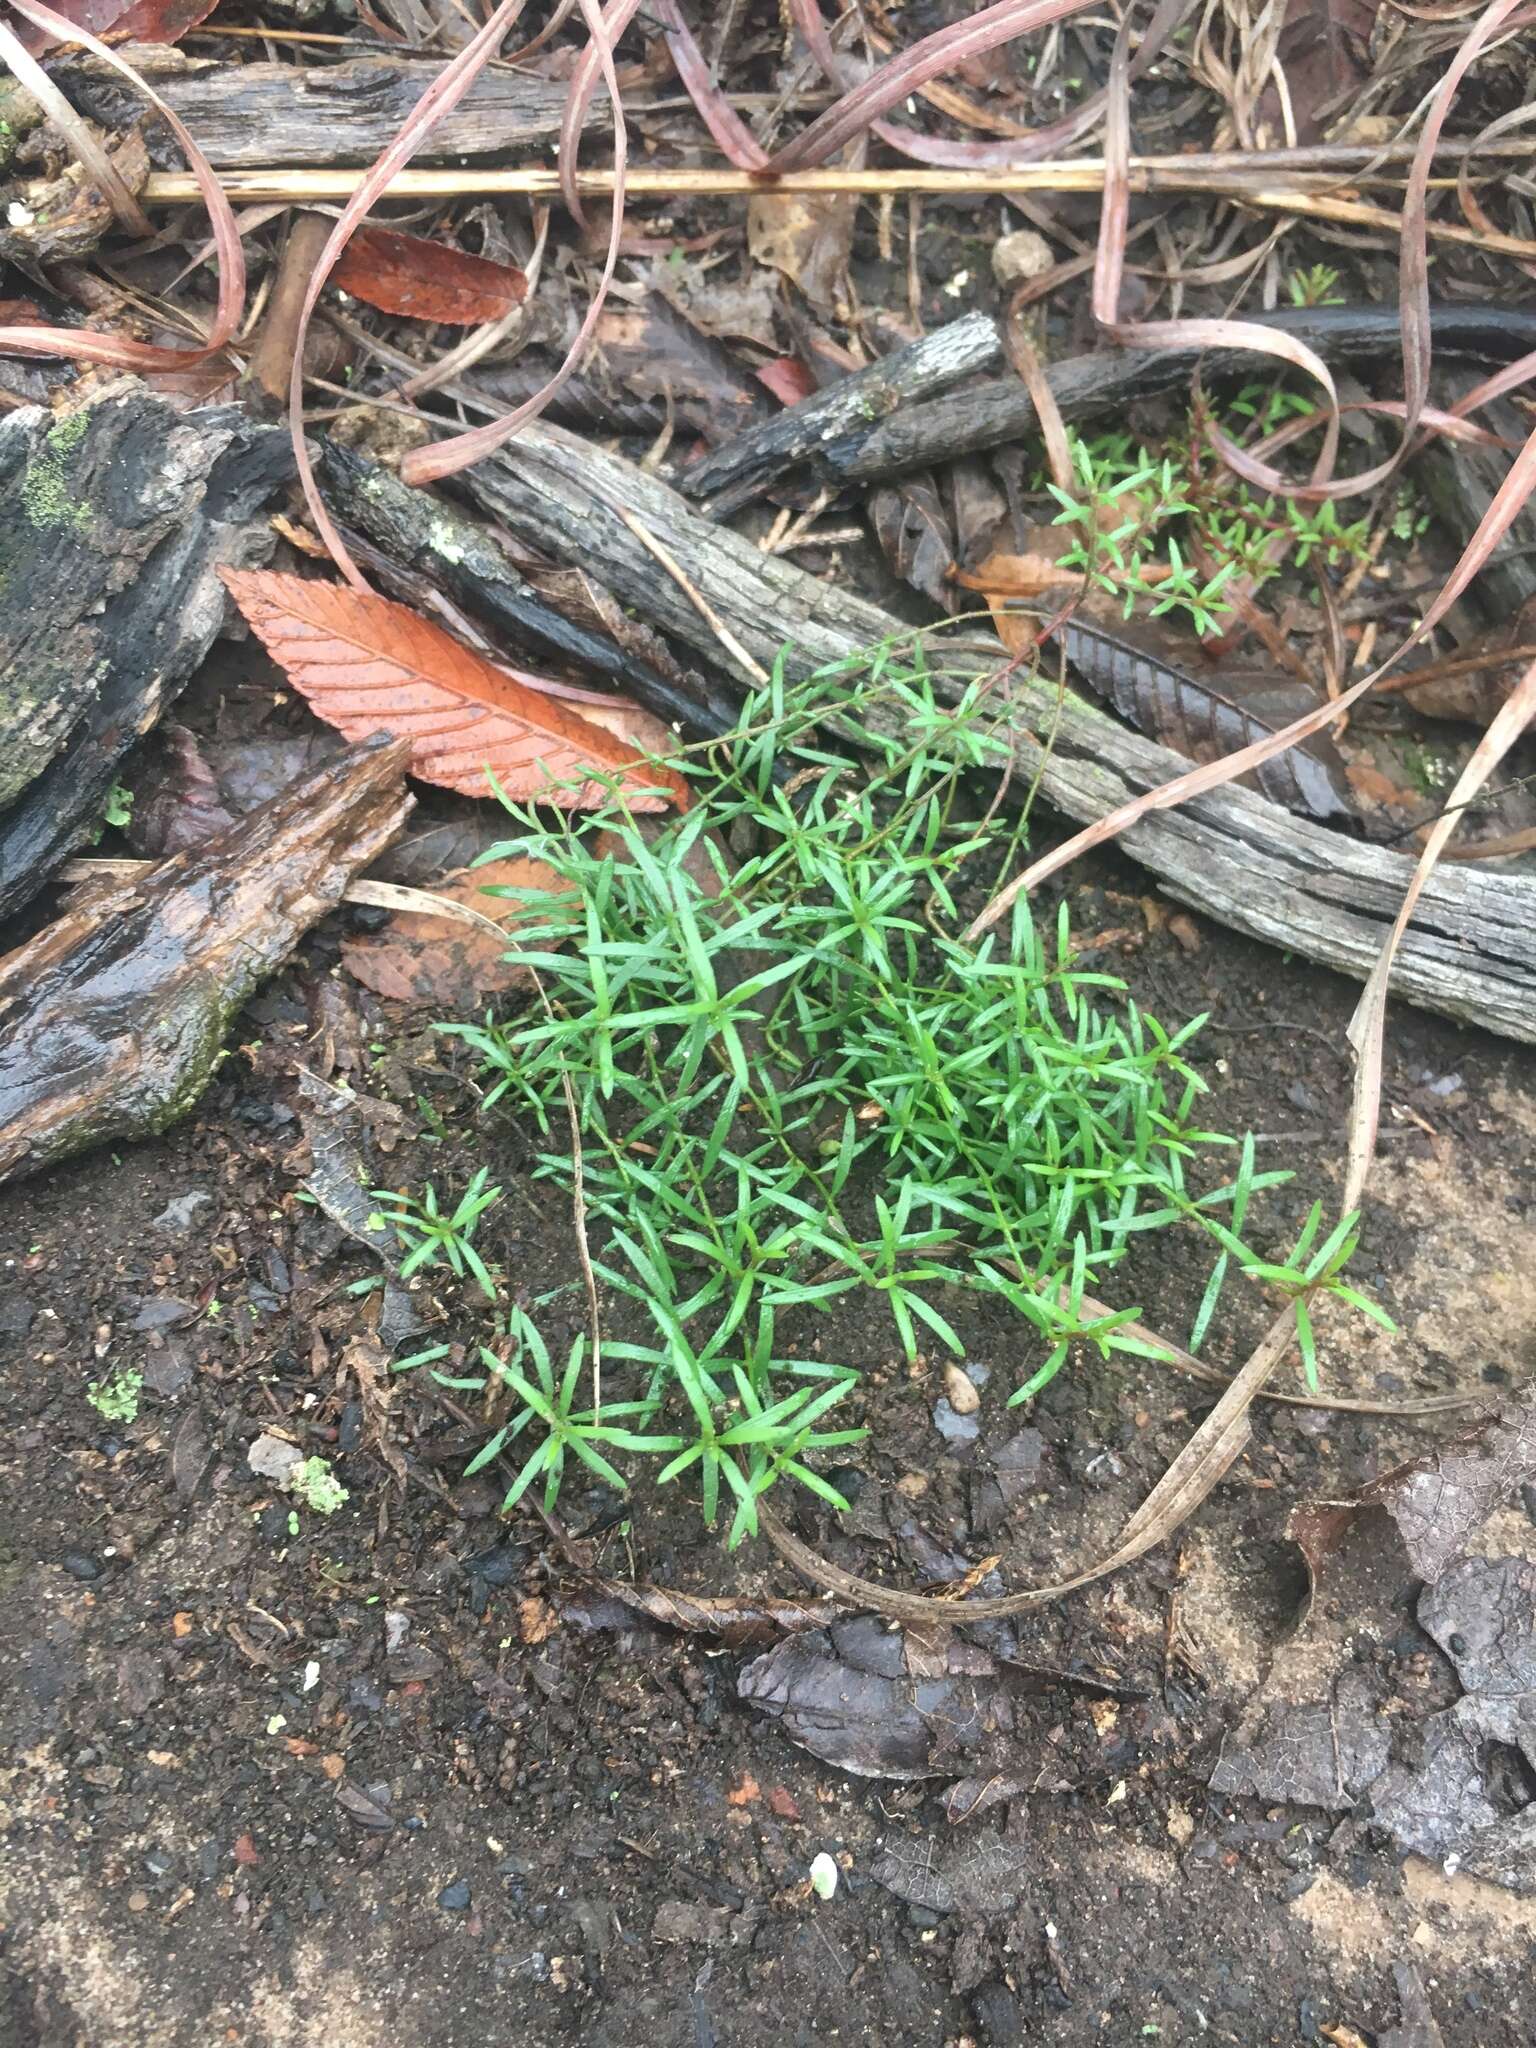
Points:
(46, 496)
(66, 434)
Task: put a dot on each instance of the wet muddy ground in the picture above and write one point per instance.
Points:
(400, 1774)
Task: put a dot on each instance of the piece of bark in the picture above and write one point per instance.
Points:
(463, 559)
(64, 218)
(1460, 479)
(114, 523)
(112, 1019)
(250, 115)
(998, 410)
(1470, 952)
(743, 469)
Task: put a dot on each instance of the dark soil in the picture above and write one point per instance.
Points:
(397, 1778)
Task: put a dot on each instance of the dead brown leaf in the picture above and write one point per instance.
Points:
(1437, 1502)
(439, 962)
(806, 236)
(367, 1361)
(366, 664)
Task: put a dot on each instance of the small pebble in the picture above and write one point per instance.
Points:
(274, 1458)
(81, 1565)
(955, 1429)
(963, 1397)
(1021, 256)
(181, 1214)
(137, 1901)
(454, 1898)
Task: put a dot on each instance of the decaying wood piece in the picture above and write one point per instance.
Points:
(419, 531)
(741, 470)
(1461, 479)
(999, 409)
(111, 1020)
(1470, 953)
(316, 113)
(114, 523)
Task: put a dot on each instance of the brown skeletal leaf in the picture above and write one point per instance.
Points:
(176, 797)
(1437, 1502)
(663, 357)
(1324, 47)
(439, 962)
(807, 236)
(366, 664)
(1205, 717)
(738, 1622)
(420, 279)
(1033, 576)
(915, 533)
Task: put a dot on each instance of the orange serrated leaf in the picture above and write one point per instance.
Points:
(366, 664)
(425, 280)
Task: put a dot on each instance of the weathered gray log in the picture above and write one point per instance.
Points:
(247, 115)
(114, 522)
(1470, 954)
(730, 476)
(999, 410)
(111, 1019)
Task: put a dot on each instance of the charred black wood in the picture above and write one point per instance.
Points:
(252, 115)
(988, 414)
(731, 476)
(112, 1018)
(114, 523)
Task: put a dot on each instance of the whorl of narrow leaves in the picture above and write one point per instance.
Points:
(365, 664)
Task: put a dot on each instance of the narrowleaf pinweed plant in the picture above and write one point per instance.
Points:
(428, 1234)
(793, 1085)
(1139, 523)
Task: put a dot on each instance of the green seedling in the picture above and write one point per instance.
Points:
(795, 1086)
(317, 1486)
(428, 1234)
(116, 1399)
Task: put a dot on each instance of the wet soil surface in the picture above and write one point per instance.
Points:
(400, 1775)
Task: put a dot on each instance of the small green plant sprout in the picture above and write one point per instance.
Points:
(1306, 1273)
(116, 1399)
(550, 1405)
(119, 809)
(317, 1486)
(1314, 287)
(1143, 523)
(796, 1091)
(1121, 508)
(429, 1235)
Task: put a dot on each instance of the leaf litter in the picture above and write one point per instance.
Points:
(1438, 1501)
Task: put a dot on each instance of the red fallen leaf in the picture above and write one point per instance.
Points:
(425, 280)
(127, 21)
(245, 1850)
(788, 379)
(782, 1800)
(366, 664)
